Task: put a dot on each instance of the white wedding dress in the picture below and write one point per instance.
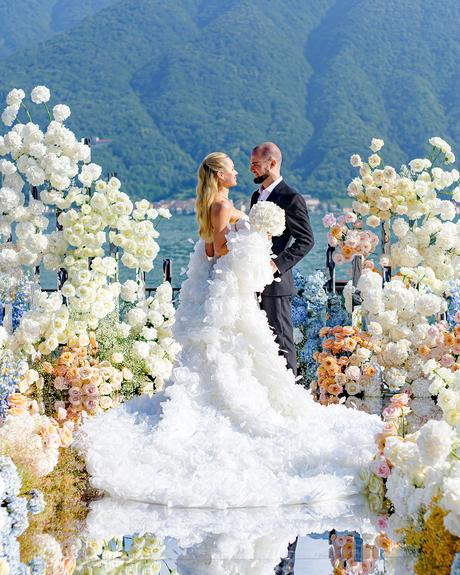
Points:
(232, 429)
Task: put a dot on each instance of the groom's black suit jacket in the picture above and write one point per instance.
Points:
(298, 228)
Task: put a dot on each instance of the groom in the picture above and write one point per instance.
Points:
(295, 242)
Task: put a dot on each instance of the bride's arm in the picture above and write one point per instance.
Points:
(220, 218)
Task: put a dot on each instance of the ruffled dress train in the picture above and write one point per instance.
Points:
(232, 428)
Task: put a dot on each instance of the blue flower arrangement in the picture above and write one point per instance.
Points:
(453, 305)
(308, 317)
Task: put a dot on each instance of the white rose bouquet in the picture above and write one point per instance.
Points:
(267, 217)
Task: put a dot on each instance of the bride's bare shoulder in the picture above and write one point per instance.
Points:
(221, 206)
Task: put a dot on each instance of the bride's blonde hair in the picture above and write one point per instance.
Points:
(206, 190)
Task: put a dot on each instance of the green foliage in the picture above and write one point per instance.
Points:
(168, 82)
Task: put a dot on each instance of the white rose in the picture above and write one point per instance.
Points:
(373, 221)
(435, 442)
(374, 160)
(141, 349)
(376, 144)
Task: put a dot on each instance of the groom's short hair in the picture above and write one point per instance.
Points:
(268, 150)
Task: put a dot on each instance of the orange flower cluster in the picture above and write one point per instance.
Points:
(82, 383)
(345, 367)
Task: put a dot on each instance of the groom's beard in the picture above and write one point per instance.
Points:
(261, 179)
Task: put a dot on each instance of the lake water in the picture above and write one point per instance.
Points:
(178, 235)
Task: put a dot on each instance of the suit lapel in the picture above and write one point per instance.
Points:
(276, 192)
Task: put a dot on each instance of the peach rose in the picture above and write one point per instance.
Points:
(334, 389)
(48, 368)
(18, 404)
(66, 436)
(60, 383)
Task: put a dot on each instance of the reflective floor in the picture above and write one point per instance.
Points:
(330, 538)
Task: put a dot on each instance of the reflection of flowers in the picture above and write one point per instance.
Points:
(14, 510)
(137, 554)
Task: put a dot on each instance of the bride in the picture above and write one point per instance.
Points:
(232, 428)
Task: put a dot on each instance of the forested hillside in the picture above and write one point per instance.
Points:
(166, 82)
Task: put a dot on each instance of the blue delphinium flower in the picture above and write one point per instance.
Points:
(21, 302)
(453, 303)
(336, 312)
(308, 316)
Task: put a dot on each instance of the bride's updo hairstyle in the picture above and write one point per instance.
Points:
(206, 190)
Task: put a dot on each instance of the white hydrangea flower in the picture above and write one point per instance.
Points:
(40, 95)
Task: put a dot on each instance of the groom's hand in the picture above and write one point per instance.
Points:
(275, 270)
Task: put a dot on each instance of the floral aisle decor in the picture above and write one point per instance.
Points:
(355, 554)
(14, 511)
(345, 366)
(308, 317)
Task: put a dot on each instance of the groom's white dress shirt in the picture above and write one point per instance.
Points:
(265, 192)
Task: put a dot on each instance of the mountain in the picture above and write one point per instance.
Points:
(25, 22)
(166, 82)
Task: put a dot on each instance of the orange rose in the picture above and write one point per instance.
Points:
(336, 231)
(324, 331)
(66, 436)
(329, 343)
(334, 389)
(61, 370)
(347, 251)
(66, 357)
(72, 372)
(424, 350)
(449, 339)
(369, 370)
(349, 344)
(18, 404)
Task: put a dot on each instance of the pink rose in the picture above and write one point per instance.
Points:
(382, 523)
(338, 258)
(447, 360)
(60, 383)
(328, 220)
(90, 389)
(75, 395)
(381, 468)
(457, 317)
(353, 372)
(91, 404)
(350, 217)
(391, 412)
